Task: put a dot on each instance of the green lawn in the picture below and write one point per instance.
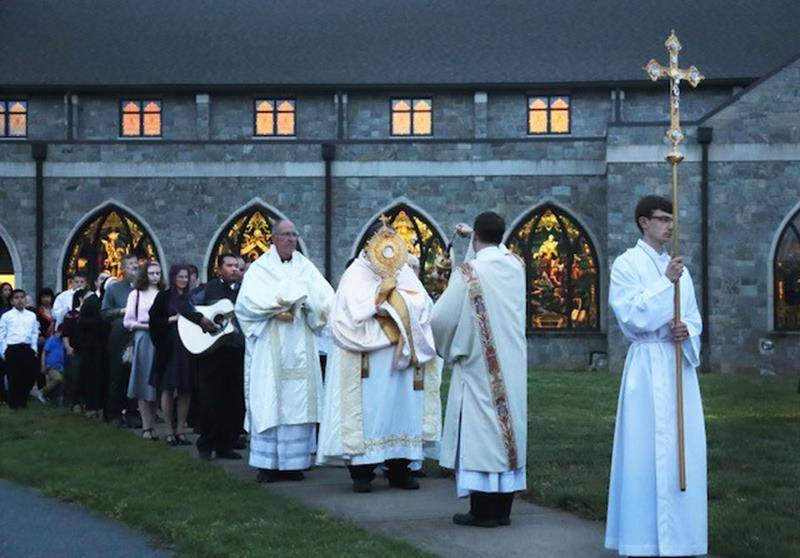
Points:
(753, 429)
(191, 505)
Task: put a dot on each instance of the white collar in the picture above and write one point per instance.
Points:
(650, 251)
(488, 252)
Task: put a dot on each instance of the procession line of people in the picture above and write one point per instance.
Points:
(377, 400)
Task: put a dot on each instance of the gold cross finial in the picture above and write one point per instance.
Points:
(385, 220)
(675, 74)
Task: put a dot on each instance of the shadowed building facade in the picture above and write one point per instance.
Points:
(183, 130)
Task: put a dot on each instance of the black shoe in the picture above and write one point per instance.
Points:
(228, 454)
(239, 445)
(419, 474)
(504, 508)
(470, 520)
(362, 485)
(405, 482)
(267, 476)
(293, 475)
(205, 455)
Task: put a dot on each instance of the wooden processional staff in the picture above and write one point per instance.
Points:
(675, 136)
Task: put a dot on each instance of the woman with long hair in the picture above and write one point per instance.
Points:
(5, 296)
(171, 371)
(147, 285)
(44, 313)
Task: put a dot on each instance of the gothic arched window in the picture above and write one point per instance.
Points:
(786, 273)
(6, 265)
(249, 235)
(424, 242)
(560, 270)
(102, 241)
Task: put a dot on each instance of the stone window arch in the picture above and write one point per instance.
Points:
(423, 239)
(248, 234)
(561, 273)
(786, 277)
(99, 244)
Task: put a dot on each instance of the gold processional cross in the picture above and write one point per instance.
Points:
(675, 135)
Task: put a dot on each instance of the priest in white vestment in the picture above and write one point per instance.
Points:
(648, 514)
(382, 402)
(283, 302)
(479, 328)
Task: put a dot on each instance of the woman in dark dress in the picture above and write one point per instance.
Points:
(171, 370)
(90, 344)
(69, 333)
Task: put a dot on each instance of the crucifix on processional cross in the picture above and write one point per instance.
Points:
(675, 135)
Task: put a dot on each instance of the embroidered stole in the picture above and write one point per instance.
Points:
(499, 395)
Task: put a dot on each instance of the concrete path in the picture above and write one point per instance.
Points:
(424, 517)
(34, 526)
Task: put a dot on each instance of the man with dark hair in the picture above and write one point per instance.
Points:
(479, 328)
(489, 228)
(119, 337)
(220, 372)
(649, 205)
(19, 338)
(648, 514)
(63, 302)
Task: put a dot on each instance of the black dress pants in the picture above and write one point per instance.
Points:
(221, 392)
(398, 469)
(22, 367)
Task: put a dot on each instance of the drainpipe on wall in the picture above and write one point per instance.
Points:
(328, 154)
(39, 153)
(704, 137)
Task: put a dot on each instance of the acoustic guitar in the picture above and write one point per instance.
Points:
(199, 342)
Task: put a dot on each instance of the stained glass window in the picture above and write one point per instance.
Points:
(423, 241)
(140, 118)
(787, 278)
(102, 241)
(548, 115)
(560, 270)
(274, 117)
(6, 265)
(14, 119)
(249, 235)
(412, 117)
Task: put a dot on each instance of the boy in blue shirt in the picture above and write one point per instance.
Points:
(53, 361)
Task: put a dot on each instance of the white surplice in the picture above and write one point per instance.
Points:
(648, 515)
(369, 420)
(487, 451)
(283, 379)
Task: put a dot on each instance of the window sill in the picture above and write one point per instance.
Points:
(565, 333)
(140, 138)
(547, 136)
(14, 138)
(273, 138)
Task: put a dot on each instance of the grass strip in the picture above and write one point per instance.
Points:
(192, 506)
(753, 434)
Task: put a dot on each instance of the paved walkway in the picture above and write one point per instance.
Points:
(34, 526)
(424, 517)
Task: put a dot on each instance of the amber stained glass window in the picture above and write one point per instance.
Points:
(102, 241)
(140, 118)
(274, 117)
(412, 117)
(14, 119)
(248, 235)
(786, 273)
(560, 270)
(549, 115)
(423, 241)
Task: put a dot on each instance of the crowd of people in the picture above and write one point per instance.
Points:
(113, 351)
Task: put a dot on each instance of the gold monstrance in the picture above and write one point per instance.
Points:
(675, 135)
(387, 250)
